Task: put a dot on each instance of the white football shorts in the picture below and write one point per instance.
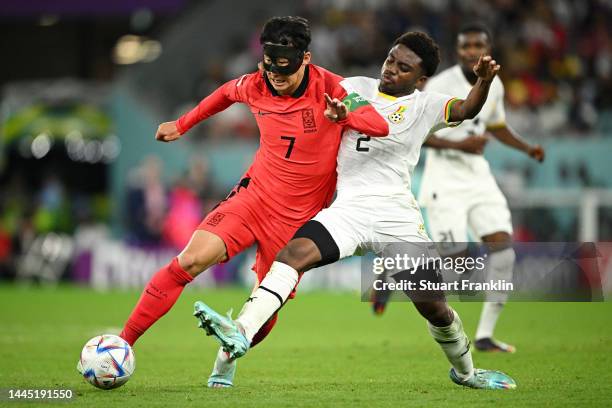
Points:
(369, 223)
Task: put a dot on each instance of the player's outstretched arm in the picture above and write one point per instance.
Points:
(219, 100)
(472, 144)
(485, 69)
(361, 117)
(509, 137)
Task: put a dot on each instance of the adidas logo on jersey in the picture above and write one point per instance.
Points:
(397, 116)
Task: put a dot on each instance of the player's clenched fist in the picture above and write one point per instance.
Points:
(167, 132)
(537, 153)
(486, 68)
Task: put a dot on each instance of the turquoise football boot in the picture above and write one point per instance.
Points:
(485, 380)
(224, 329)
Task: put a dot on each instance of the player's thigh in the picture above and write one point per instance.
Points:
(399, 230)
(416, 261)
(226, 228)
(347, 225)
(400, 220)
(489, 216)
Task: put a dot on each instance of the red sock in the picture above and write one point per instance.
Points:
(264, 331)
(158, 297)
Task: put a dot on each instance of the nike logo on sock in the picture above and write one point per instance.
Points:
(157, 293)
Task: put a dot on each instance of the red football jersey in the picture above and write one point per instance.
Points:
(294, 170)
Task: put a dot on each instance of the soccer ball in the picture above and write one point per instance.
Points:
(107, 361)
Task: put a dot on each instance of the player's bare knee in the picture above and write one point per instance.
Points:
(203, 250)
(196, 260)
(190, 263)
(299, 253)
(498, 241)
(443, 315)
(437, 313)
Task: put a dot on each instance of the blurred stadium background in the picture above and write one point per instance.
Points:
(87, 195)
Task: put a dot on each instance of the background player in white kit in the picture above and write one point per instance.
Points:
(374, 205)
(458, 190)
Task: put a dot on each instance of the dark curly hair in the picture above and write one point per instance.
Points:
(425, 47)
(476, 27)
(288, 30)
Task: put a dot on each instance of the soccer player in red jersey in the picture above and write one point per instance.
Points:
(301, 111)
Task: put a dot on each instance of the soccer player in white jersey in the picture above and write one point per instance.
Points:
(374, 204)
(458, 190)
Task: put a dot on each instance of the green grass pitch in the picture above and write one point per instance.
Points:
(327, 350)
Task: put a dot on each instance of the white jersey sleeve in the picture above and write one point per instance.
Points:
(437, 110)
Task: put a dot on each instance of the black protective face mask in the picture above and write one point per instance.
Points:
(275, 51)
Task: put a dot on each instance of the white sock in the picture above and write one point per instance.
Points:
(488, 319)
(223, 364)
(456, 345)
(273, 291)
(501, 266)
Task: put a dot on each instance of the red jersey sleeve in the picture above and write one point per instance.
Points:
(362, 116)
(219, 100)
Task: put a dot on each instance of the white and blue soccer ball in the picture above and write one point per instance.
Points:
(107, 361)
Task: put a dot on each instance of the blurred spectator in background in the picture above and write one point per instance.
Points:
(146, 202)
(556, 54)
(200, 179)
(184, 214)
(12, 213)
(157, 215)
(191, 197)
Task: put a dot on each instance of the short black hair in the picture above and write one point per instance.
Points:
(476, 27)
(288, 30)
(425, 47)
